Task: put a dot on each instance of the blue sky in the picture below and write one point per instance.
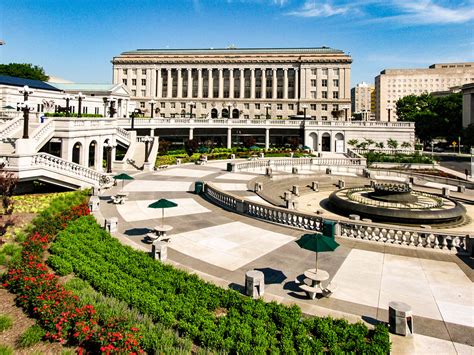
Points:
(76, 39)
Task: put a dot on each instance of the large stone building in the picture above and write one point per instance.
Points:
(393, 84)
(250, 83)
(468, 104)
(362, 100)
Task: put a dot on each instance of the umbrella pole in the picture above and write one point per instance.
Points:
(162, 216)
(316, 261)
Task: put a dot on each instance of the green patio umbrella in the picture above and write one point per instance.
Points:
(162, 203)
(123, 177)
(9, 107)
(318, 243)
(254, 147)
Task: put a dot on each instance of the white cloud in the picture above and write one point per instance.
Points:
(312, 8)
(428, 12)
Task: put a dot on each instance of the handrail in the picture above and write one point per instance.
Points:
(290, 162)
(10, 126)
(42, 133)
(376, 232)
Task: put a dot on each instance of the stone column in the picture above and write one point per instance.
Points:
(231, 83)
(264, 84)
(285, 83)
(199, 93)
(190, 83)
(170, 84)
(229, 138)
(99, 147)
(333, 144)
(319, 88)
(221, 83)
(152, 84)
(297, 86)
(159, 84)
(267, 138)
(211, 83)
(148, 83)
(180, 84)
(83, 159)
(252, 83)
(303, 83)
(191, 133)
(242, 83)
(274, 83)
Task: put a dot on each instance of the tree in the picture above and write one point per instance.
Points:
(392, 143)
(8, 182)
(352, 142)
(163, 147)
(24, 70)
(191, 146)
(249, 141)
(406, 145)
(468, 136)
(379, 145)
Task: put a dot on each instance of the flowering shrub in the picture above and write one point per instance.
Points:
(58, 310)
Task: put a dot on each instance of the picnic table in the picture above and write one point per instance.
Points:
(159, 233)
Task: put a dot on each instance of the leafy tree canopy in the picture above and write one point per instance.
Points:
(24, 70)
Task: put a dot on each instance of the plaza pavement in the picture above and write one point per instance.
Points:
(221, 246)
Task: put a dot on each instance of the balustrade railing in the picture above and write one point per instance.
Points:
(7, 128)
(123, 133)
(373, 232)
(43, 133)
(387, 151)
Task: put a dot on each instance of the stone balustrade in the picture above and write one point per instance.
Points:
(43, 133)
(373, 232)
(388, 151)
(9, 127)
(124, 134)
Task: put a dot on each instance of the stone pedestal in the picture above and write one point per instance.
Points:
(95, 190)
(328, 171)
(269, 172)
(461, 188)
(287, 195)
(94, 203)
(111, 224)
(178, 161)
(254, 283)
(261, 155)
(341, 184)
(315, 186)
(400, 318)
(159, 250)
(354, 217)
(232, 156)
(294, 170)
(446, 192)
(258, 187)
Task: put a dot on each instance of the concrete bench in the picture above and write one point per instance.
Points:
(329, 290)
(118, 200)
(311, 291)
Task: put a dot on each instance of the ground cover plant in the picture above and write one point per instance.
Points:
(5, 322)
(379, 157)
(212, 317)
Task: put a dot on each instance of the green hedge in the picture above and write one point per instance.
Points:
(212, 317)
(377, 157)
(63, 114)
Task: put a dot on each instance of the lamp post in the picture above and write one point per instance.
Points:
(147, 140)
(267, 107)
(80, 97)
(111, 107)
(26, 108)
(389, 109)
(472, 162)
(132, 116)
(345, 108)
(192, 104)
(304, 107)
(152, 104)
(109, 147)
(432, 149)
(229, 105)
(68, 98)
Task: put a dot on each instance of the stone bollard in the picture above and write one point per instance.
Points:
(341, 184)
(291, 155)
(411, 180)
(258, 187)
(295, 204)
(289, 204)
(294, 170)
(295, 190)
(461, 188)
(400, 318)
(95, 190)
(268, 172)
(261, 155)
(159, 250)
(328, 171)
(315, 186)
(446, 191)
(287, 195)
(232, 156)
(178, 161)
(94, 203)
(372, 183)
(254, 283)
(354, 217)
(111, 224)
(366, 220)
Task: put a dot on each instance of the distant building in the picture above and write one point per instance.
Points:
(467, 104)
(248, 82)
(393, 84)
(362, 100)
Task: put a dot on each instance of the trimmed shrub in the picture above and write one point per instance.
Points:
(5, 323)
(33, 335)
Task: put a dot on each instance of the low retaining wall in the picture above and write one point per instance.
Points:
(368, 231)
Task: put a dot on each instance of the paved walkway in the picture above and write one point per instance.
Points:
(221, 246)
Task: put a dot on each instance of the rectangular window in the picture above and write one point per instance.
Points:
(257, 106)
(324, 83)
(279, 106)
(313, 83)
(336, 71)
(183, 104)
(335, 94)
(134, 82)
(134, 71)
(162, 115)
(124, 71)
(173, 115)
(335, 82)
(324, 118)
(313, 106)
(313, 94)
(325, 71)
(324, 94)
(143, 82)
(257, 117)
(204, 105)
(134, 92)
(143, 71)
(279, 117)
(143, 93)
(124, 81)
(246, 117)
(163, 104)
(246, 106)
(173, 104)
(96, 110)
(142, 104)
(313, 71)
(291, 106)
(335, 107)
(324, 107)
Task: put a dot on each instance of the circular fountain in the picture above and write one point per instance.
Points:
(395, 202)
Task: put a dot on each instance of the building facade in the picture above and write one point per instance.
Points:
(468, 104)
(393, 84)
(237, 83)
(362, 100)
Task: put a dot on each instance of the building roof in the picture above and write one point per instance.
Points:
(20, 82)
(231, 50)
(85, 87)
